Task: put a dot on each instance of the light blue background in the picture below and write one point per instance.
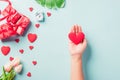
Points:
(100, 20)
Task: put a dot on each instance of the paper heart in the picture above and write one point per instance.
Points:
(29, 74)
(76, 38)
(17, 40)
(5, 50)
(34, 62)
(48, 14)
(21, 51)
(32, 37)
(11, 58)
(31, 9)
(31, 47)
(37, 25)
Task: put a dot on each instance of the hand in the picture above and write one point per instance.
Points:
(77, 50)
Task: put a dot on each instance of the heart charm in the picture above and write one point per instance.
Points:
(32, 37)
(34, 62)
(76, 38)
(29, 74)
(48, 14)
(5, 50)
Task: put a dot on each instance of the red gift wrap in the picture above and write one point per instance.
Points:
(16, 22)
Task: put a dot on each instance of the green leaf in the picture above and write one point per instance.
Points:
(42, 2)
(53, 3)
(48, 4)
(4, 74)
(60, 3)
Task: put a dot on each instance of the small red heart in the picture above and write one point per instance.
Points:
(48, 14)
(29, 74)
(37, 25)
(76, 38)
(17, 40)
(31, 47)
(32, 37)
(11, 58)
(5, 50)
(31, 9)
(34, 62)
(21, 51)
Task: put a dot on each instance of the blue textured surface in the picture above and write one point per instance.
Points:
(100, 20)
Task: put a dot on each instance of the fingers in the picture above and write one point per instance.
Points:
(76, 29)
(80, 29)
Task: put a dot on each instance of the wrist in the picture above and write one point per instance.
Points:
(76, 58)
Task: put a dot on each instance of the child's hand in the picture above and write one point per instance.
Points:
(77, 50)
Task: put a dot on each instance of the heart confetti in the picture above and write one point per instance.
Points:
(31, 47)
(32, 37)
(37, 25)
(34, 62)
(31, 9)
(76, 38)
(21, 51)
(11, 58)
(17, 40)
(5, 50)
(29, 74)
(48, 14)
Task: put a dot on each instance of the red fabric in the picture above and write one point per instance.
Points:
(16, 22)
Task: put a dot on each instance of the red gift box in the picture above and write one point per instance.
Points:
(15, 21)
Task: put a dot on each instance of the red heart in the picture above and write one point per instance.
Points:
(5, 50)
(11, 58)
(31, 47)
(32, 37)
(31, 9)
(48, 14)
(34, 62)
(76, 38)
(17, 40)
(29, 74)
(37, 25)
(21, 51)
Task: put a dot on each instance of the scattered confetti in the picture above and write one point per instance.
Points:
(48, 14)
(32, 37)
(34, 62)
(29, 74)
(5, 50)
(11, 58)
(31, 47)
(21, 51)
(30, 9)
(17, 40)
(37, 25)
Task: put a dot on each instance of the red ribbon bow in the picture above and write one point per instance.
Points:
(16, 22)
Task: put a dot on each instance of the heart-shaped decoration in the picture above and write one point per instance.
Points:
(29, 74)
(11, 58)
(76, 38)
(21, 51)
(5, 50)
(37, 25)
(17, 40)
(32, 37)
(48, 14)
(34, 62)
(31, 47)
(31, 9)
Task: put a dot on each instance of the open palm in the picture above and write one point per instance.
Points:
(77, 49)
